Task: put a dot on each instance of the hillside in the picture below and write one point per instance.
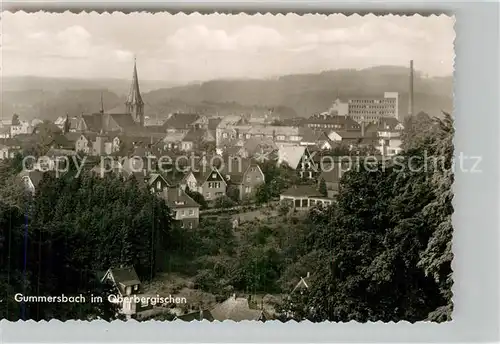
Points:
(290, 96)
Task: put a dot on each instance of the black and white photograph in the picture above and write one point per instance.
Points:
(227, 167)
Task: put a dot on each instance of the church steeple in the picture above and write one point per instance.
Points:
(134, 103)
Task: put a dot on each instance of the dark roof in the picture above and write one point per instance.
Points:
(124, 277)
(235, 168)
(213, 123)
(194, 135)
(125, 121)
(175, 197)
(384, 123)
(181, 121)
(308, 135)
(205, 315)
(93, 122)
(35, 176)
(302, 190)
(330, 119)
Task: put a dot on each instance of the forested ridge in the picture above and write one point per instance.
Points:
(382, 252)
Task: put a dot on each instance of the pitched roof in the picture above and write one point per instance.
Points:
(125, 121)
(123, 277)
(134, 96)
(384, 123)
(154, 176)
(199, 315)
(173, 137)
(181, 121)
(194, 135)
(35, 176)
(235, 169)
(291, 155)
(253, 145)
(302, 284)
(302, 190)
(236, 309)
(308, 134)
(175, 197)
(93, 122)
(213, 123)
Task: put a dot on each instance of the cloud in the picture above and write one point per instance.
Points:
(246, 39)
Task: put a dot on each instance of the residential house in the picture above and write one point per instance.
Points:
(72, 127)
(127, 285)
(332, 122)
(303, 284)
(31, 179)
(388, 130)
(84, 143)
(5, 132)
(23, 128)
(181, 122)
(184, 209)
(195, 139)
(211, 183)
(298, 158)
(173, 141)
(157, 183)
(332, 175)
(258, 148)
(323, 142)
(244, 174)
(303, 197)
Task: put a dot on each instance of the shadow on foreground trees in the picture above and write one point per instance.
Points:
(385, 247)
(72, 230)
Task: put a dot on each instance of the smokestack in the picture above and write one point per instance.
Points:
(410, 103)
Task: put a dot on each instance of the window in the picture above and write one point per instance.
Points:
(136, 287)
(224, 135)
(214, 175)
(248, 178)
(158, 185)
(190, 225)
(191, 212)
(208, 194)
(248, 189)
(305, 203)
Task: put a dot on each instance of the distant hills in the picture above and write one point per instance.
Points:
(290, 96)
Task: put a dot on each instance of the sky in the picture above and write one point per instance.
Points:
(184, 48)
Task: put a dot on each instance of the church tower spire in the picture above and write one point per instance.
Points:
(134, 103)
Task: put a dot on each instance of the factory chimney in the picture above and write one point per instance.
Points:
(410, 102)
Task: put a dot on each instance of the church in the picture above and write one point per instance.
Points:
(130, 122)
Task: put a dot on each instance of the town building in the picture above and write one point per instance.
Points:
(23, 128)
(243, 174)
(298, 158)
(127, 284)
(183, 122)
(210, 183)
(31, 179)
(327, 121)
(371, 109)
(303, 197)
(184, 209)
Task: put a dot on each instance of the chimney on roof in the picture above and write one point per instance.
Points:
(308, 275)
(410, 102)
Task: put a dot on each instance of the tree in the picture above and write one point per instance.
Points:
(224, 202)
(322, 187)
(197, 197)
(233, 193)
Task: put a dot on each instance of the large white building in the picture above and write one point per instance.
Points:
(368, 109)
